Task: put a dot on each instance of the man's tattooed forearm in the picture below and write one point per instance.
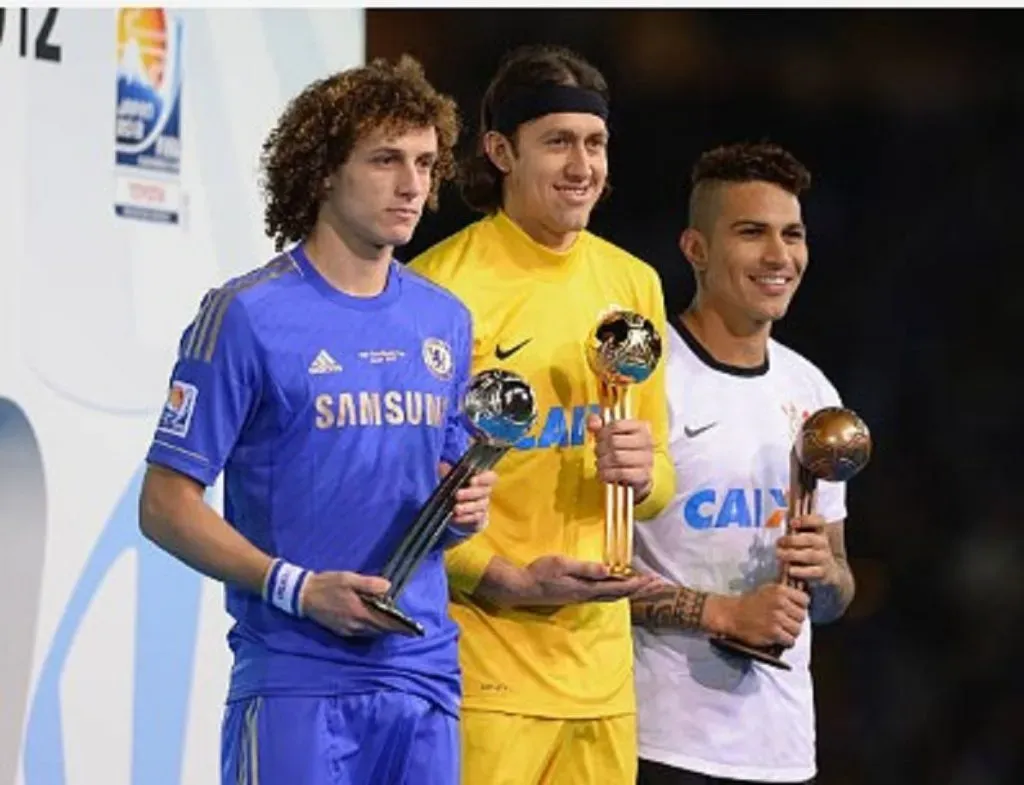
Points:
(677, 607)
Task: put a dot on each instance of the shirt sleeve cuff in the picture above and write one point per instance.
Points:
(192, 465)
(453, 536)
(466, 564)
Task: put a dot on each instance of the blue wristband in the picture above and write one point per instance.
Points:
(283, 586)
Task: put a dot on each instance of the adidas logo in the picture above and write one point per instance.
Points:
(324, 363)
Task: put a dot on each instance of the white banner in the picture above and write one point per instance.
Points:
(129, 145)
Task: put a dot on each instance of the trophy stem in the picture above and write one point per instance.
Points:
(607, 394)
(498, 408)
(426, 530)
(618, 499)
(802, 495)
(430, 517)
(628, 496)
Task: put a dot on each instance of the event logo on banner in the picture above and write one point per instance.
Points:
(149, 58)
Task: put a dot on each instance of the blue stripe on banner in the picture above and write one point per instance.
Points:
(166, 631)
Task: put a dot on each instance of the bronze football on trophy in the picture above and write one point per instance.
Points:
(834, 444)
(624, 348)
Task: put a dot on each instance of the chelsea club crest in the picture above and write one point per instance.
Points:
(437, 356)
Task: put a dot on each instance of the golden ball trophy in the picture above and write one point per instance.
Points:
(623, 350)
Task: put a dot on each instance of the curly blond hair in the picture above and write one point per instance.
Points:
(321, 125)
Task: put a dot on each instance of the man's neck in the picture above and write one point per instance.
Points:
(352, 267)
(731, 341)
(538, 232)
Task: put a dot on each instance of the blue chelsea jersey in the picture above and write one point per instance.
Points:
(329, 415)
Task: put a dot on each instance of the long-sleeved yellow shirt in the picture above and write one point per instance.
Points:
(533, 310)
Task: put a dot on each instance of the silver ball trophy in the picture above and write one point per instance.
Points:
(499, 409)
(623, 350)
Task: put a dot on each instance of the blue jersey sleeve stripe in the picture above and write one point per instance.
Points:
(206, 330)
(210, 306)
(271, 271)
(197, 323)
(203, 322)
(214, 315)
(218, 302)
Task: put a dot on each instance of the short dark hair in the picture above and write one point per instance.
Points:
(318, 129)
(743, 162)
(528, 66)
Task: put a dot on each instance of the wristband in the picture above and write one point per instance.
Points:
(283, 586)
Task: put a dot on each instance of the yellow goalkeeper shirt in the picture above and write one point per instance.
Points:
(533, 309)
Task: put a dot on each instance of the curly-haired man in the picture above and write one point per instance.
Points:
(325, 385)
(736, 397)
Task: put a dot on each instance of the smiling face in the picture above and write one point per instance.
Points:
(555, 171)
(749, 250)
(377, 196)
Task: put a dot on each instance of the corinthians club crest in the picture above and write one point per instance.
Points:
(796, 418)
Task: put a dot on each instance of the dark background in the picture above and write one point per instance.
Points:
(911, 122)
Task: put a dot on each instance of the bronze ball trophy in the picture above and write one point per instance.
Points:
(833, 444)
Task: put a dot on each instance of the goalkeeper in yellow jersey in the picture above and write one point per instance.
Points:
(545, 644)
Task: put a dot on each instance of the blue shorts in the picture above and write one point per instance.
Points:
(382, 738)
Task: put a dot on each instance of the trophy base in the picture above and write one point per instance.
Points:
(383, 605)
(769, 655)
(620, 571)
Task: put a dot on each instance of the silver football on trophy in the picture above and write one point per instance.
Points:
(624, 348)
(500, 406)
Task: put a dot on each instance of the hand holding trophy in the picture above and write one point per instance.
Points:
(623, 350)
(499, 409)
(833, 444)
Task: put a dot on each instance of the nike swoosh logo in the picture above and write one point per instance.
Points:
(504, 354)
(693, 432)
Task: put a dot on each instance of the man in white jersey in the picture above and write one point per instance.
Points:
(736, 400)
